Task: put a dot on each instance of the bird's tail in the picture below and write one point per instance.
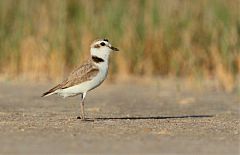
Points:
(47, 94)
(51, 91)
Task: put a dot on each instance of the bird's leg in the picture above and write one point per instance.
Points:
(82, 106)
(82, 111)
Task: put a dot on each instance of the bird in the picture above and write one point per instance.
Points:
(87, 76)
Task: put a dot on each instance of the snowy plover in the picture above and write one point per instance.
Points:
(87, 76)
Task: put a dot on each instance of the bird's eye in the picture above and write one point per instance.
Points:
(102, 44)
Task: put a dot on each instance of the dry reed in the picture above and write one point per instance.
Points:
(43, 39)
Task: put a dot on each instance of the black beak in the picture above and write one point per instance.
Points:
(114, 48)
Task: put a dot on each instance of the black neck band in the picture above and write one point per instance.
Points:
(97, 59)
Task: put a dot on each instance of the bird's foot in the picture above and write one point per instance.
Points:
(85, 119)
(82, 118)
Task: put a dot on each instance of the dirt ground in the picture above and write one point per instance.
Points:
(123, 118)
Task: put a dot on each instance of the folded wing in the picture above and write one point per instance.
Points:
(85, 72)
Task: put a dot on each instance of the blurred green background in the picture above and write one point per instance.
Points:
(45, 39)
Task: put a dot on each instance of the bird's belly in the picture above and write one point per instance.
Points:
(83, 87)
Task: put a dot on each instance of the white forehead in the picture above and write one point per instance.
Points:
(97, 42)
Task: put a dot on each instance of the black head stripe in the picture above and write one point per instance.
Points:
(97, 59)
(105, 40)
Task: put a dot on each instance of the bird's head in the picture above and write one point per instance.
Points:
(102, 48)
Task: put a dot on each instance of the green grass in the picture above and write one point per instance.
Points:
(156, 37)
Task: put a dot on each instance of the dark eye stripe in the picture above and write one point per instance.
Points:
(105, 40)
(97, 46)
(102, 44)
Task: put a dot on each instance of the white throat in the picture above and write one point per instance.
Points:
(102, 53)
(101, 57)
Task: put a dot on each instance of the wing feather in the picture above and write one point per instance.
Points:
(85, 72)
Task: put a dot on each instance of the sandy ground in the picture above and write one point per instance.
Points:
(123, 119)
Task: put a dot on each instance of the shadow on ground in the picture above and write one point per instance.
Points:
(150, 117)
